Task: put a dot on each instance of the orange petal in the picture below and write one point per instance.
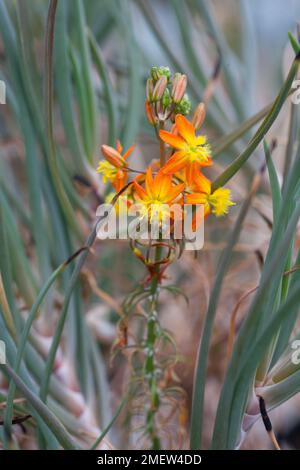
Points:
(174, 193)
(140, 191)
(119, 147)
(202, 183)
(128, 152)
(196, 198)
(120, 182)
(163, 184)
(189, 175)
(178, 161)
(185, 128)
(149, 182)
(208, 162)
(171, 139)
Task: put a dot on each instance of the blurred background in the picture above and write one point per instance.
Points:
(103, 50)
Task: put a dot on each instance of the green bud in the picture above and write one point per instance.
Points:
(157, 72)
(184, 106)
(166, 99)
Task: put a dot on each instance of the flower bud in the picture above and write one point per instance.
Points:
(184, 106)
(157, 72)
(160, 88)
(179, 87)
(149, 89)
(166, 99)
(150, 114)
(113, 156)
(199, 116)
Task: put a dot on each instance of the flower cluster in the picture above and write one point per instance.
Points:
(177, 177)
(163, 195)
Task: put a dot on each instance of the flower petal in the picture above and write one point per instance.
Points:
(171, 139)
(140, 191)
(202, 184)
(196, 198)
(128, 152)
(208, 162)
(119, 147)
(185, 128)
(163, 184)
(149, 183)
(174, 193)
(178, 161)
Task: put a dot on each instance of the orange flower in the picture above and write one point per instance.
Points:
(159, 193)
(191, 149)
(190, 177)
(113, 168)
(217, 202)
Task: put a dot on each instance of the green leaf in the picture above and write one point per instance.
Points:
(294, 43)
(275, 187)
(250, 347)
(261, 132)
(49, 418)
(199, 383)
(108, 90)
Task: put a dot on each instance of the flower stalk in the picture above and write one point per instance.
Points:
(174, 178)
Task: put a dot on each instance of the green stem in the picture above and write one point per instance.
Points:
(150, 363)
(162, 147)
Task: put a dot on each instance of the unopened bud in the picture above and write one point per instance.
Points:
(199, 116)
(179, 87)
(184, 106)
(149, 89)
(166, 99)
(150, 113)
(160, 88)
(157, 72)
(113, 156)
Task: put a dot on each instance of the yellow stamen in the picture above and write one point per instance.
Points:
(220, 201)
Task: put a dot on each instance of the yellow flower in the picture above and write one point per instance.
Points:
(191, 149)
